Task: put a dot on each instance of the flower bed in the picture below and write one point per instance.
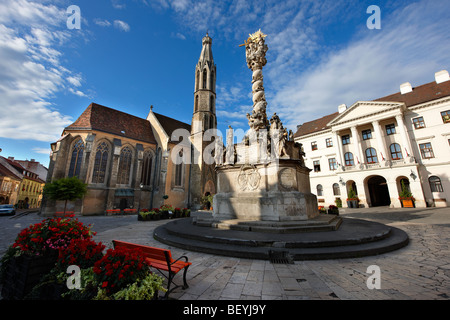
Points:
(164, 212)
(36, 265)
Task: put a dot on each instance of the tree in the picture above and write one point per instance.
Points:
(67, 189)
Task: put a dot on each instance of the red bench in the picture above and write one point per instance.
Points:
(161, 259)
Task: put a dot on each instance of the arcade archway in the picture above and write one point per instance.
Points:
(378, 191)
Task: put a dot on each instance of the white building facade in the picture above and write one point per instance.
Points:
(374, 146)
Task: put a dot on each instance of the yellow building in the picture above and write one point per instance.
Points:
(29, 191)
(9, 183)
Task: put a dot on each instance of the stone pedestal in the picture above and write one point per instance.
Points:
(275, 191)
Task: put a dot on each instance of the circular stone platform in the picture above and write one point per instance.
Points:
(353, 238)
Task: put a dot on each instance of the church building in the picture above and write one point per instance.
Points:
(129, 162)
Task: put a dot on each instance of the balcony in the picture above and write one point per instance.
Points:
(379, 165)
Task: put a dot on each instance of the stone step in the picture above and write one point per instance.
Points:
(353, 234)
(395, 239)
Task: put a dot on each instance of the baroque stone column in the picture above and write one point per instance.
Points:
(255, 52)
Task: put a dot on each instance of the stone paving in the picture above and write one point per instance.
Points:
(419, 271)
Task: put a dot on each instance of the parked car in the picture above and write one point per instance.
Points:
(7, 209)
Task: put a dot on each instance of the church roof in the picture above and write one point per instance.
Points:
(101, 118)
(170, 125)
(421, 94)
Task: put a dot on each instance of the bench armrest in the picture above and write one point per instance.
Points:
(182, 257)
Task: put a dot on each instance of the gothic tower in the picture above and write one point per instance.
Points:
(204, 125)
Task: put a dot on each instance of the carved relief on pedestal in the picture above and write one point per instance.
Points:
(248, 178)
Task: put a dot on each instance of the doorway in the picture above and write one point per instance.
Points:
(378, 191)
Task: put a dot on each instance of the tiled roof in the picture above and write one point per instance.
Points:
(315, 125)
(170, 125)
(101, 118)
(7, 170)
(421, 94)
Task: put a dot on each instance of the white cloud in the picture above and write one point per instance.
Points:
(178, 35)
(42, 150)
(121, 25)
(75, 80)
(307, 77)
(31, 72)
(102, 23)
(371, 66)
(117, 4)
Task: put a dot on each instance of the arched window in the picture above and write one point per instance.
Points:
(123, 176)
(147, 168)
(435, 184)
(101, 161)
(348, 156)
(211, 122)
(179, 170)
(319, 190)
(211, 104)
(371, 155)
(211, 81)
(197, 80)
(336, 189)
(396, 151)
(76, 159)
(196, 103)
(204, 79)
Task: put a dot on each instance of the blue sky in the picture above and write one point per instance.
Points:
(130, 54)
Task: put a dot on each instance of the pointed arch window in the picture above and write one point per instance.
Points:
(204, 78)
(197, 80)
(123, 176)
(76, 159)
(211, 80)
(179, 170)
(147, 168)
(211, 104)
(100, 163)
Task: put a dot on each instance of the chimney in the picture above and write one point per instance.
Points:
(441, 76)
(299, 126)
(405, 87)
(342, 108)
(11, 158)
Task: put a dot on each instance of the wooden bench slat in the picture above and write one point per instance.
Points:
(160, 259)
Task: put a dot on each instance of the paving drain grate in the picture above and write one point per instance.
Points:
(280, 257)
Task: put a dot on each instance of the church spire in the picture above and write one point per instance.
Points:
(206, 56)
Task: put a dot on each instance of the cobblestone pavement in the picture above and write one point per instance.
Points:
(419, 271)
